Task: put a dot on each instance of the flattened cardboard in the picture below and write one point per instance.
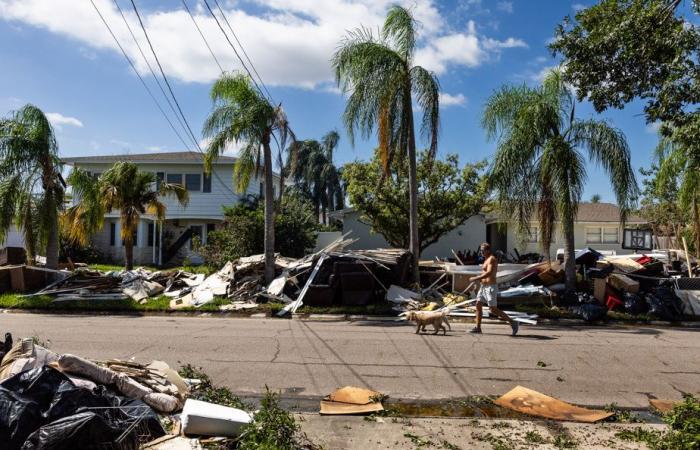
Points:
(663, 406)
(338, 408)
(531, 402)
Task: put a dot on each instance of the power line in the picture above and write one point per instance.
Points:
(165, 78)
(150, 68)
(202, 34)
(138, 74)
(242, 49)
(206, 3)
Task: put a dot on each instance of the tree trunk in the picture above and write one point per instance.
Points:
(269, 213)
(696, 227)
(52, 244)
(569, 248)
(414, 241)
(129, 253)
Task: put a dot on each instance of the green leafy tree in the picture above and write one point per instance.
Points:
(448, 195)
(122, 187)
(310, 165)
(619, 50)
(378, 74)
(595, 198)
(243, 115)
(539, 168)
(679, 164)
(31, 186)
(242, 231)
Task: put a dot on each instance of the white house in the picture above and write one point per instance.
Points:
(208, 194)
(597, 226)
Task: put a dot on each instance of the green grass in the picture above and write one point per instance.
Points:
(378, 309)
(206, 270)
(161, 303)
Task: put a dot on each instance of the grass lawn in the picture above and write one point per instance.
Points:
(161, 303)
(118, 268)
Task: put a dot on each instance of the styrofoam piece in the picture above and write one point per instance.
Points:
(209, 419)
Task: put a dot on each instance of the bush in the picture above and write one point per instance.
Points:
(244, 229)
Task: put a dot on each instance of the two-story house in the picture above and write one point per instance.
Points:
(171, 242)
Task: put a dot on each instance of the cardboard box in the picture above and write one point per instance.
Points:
(599, 286)
(623, 283)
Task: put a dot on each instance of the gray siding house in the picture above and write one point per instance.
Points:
(171, 242)
(597, 226)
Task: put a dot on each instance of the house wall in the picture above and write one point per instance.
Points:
(201, 204)
(13, 238)
(467, 236)
(143, 253)
(514, 241)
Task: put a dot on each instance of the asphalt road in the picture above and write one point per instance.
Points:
(307, 359)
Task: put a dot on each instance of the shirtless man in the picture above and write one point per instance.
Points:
(488, 292)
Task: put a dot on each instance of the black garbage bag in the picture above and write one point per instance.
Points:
(86, 430)
(664, 304)
(634, 304)
(590, 312)
(42, 396)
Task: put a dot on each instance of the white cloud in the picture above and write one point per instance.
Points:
(653, 128)
(505, 7)
(448, 100)
(578, 7)
(289, 41)
(58, 120)
(538, 77)
(467, 49)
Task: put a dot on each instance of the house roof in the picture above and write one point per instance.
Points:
(602, 212)
(149, 158)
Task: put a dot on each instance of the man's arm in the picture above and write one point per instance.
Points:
(490, 269)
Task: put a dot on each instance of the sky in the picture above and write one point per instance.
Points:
(59, 56)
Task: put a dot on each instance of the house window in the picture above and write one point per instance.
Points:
(210, 227)
(151, 234)
(262, 191)
(112, 233)
(174, 178)
(206, 186)
(602, 235)
(610, 235)
(196, 233)
(193, 181)
(160, 176)
(532, 235)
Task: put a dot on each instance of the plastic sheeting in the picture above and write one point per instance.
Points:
(40, 406)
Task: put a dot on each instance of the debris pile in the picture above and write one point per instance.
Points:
(48, 400)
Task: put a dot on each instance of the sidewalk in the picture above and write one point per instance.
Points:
(351, 432)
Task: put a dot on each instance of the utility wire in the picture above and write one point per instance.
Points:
(165, 78)
(206, 3)
(243, 49)
(150, 68)
(138, 74)
(202, 34)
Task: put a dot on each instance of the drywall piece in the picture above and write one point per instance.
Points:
(397, 294)
(531, 402)
(209, 419)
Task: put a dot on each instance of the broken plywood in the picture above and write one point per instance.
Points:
(531, 402)
(351, 400)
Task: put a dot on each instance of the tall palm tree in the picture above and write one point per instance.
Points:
(243, 115)
(682, 163)
(539, 167)
(31, 186)
(310, 165)
(122, 187)
(378, 74)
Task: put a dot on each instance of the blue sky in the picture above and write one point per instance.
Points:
(57, 55)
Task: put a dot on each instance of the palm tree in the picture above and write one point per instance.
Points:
(243, 115)
(31, 186)
(381, 80)
(539, 167)
(122, 187)
(681, 163)
(310, 165)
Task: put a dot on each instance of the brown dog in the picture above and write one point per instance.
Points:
(434, 318)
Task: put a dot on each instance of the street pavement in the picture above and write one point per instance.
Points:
(308, 359)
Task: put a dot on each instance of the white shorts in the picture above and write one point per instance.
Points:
(488, 294)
